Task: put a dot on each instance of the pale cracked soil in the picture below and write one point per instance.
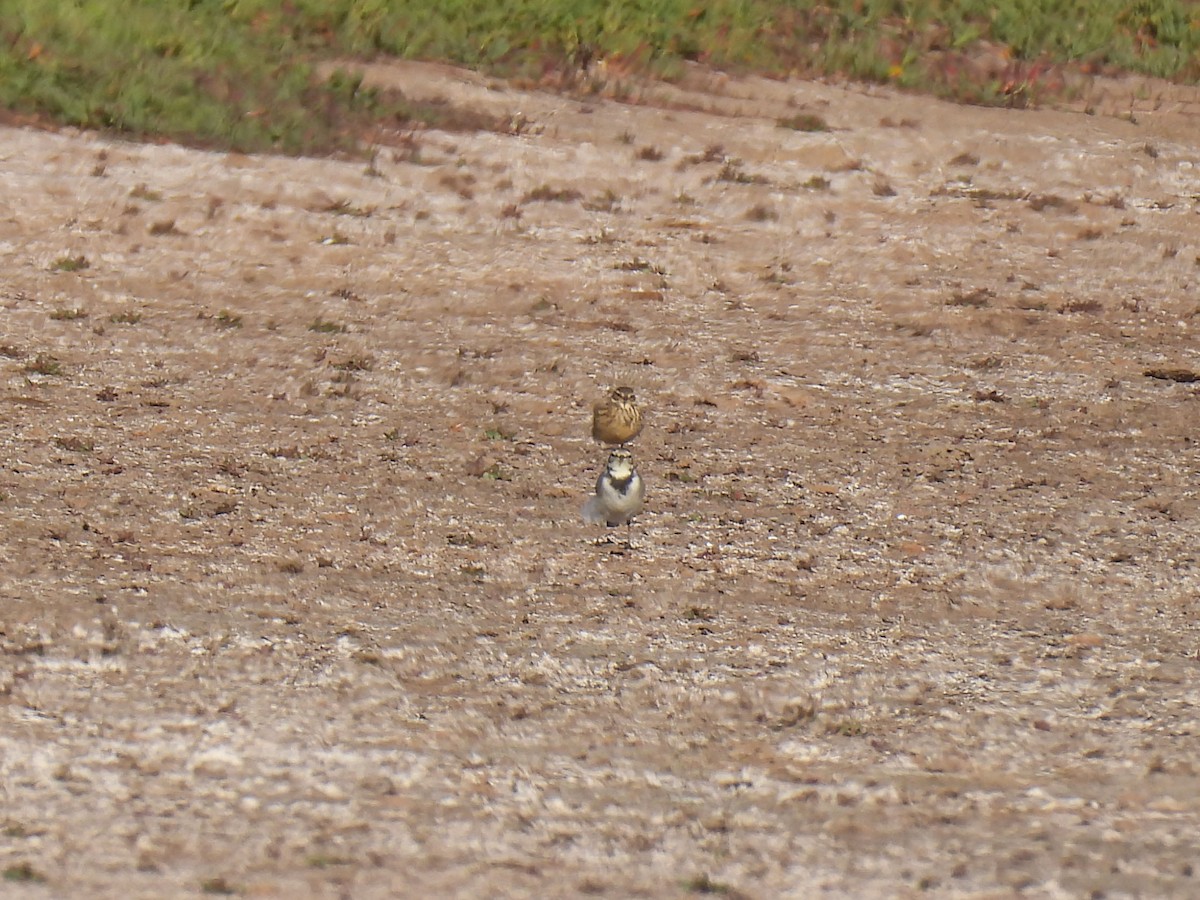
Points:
(297, 601)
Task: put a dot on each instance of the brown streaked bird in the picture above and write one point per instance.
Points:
(617, 419)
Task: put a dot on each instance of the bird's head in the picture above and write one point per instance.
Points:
(620, 465)
(624, 396)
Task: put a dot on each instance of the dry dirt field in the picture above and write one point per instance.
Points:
(297, 601)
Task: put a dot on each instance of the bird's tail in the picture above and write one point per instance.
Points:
(593, 514)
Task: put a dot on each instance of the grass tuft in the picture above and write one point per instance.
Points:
(546, 194)
(346, 208)
(324, 326)
(70, 264)
(75, 444)
(761, 212)
(704, 884)
(23, 872)
(218, 886)
(804, 122)
(44, 364)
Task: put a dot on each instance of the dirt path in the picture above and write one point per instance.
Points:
(297, 600)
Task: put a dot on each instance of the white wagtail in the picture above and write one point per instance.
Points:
(620, 492)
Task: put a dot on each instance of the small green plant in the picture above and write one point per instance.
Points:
(546, 194)
(847, 728)
(733, 172)
(70, 264)
(218, 885)
(682, 476)
(75, 444)
(23, 871)
(704, 884)
(804, 122)
(346, 208)
(68, 315)
(325, 860)
(227, 319)
(44, 364)
(324, 326)
(125, 318)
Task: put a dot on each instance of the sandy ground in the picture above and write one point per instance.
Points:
(297, 601)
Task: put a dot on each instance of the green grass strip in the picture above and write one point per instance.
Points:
(240, 73)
